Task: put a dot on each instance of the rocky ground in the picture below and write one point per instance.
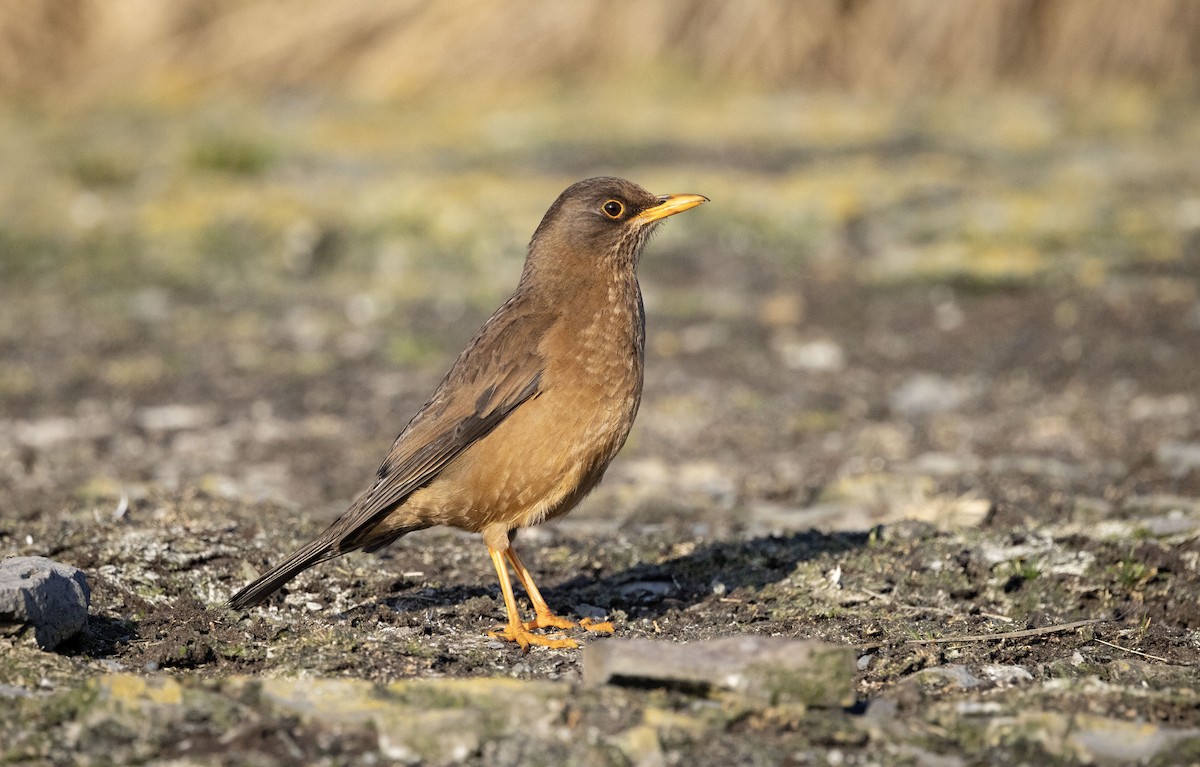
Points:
(925, 391)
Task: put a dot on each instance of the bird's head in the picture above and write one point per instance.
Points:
(603, 223)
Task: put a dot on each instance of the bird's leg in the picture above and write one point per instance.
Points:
(516, 631)
(544, 617)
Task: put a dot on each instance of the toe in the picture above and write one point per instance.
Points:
(549, 621)
(602, 628)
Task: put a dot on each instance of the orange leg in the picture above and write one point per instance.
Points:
(544, 617)
(516, 631)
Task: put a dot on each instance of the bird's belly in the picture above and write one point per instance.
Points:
(568, 446)
(538, 463)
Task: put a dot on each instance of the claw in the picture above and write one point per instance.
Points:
(549, 620)
(524, 638)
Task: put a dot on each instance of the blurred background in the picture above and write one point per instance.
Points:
(235, 233)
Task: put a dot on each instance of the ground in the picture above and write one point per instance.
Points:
(912, 375)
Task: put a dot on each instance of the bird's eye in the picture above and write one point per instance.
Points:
(613, 209)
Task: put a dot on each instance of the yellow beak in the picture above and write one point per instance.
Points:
(669, 205)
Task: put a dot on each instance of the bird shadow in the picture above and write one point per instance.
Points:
(649, 590)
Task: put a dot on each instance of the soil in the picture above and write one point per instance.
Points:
(822, 453)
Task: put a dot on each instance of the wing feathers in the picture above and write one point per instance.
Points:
(499, 371)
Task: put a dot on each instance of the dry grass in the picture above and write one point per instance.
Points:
(373, 49)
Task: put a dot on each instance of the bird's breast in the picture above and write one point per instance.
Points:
(545, 456)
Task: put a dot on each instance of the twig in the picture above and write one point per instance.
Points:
(1010, 634)
(1143, 654)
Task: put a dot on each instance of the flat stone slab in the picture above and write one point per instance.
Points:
(49, 597)
(770, 670)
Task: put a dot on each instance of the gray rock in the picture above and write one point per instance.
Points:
(646, 591)
(952, 674)
(926, 393)
(1089, 739)
(1105, 740)
(1006, 674)
(773, 670)
(1178, 458)
(49, 597)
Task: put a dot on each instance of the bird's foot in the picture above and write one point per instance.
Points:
(548, 620)
(516, 632)
(604, 627)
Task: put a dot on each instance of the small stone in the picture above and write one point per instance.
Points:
(945, 464)
(926, 393)
(1006, 675)
(1109, 740)
(640, 745)
(51, 597)
(952, 674)
(11, 691)
(979, 708)
(585, 610)
(648, 591)
(1090, 739)
(175, 417)
(819, 356)
(1178, 458)
(1169, 524)
(770, 670)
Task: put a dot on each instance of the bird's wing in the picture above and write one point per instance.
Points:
(499, 371)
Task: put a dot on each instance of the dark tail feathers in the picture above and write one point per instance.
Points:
(269, 582)
(330, 544)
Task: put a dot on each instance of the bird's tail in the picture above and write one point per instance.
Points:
(269, 582)
(346, 534)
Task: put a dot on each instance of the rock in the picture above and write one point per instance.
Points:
(1178, 458)
(51, 597)
(425, 721)
(1090, 739)
(641, 746)
(769, 518)
(926, 393)
(881, 490)
(648, 591)
(949, 675)
(765, 669)
(175, 417)
(946, 464)
(820, 356)
(1116, 741)
(1161, 503)
(1006, 674)
(1172, 523)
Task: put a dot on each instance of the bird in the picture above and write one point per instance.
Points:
(530, 414)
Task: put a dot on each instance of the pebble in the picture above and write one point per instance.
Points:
(1178, 458)
(1006, 675)
(925, 393)
(648, 591)
(953, 674)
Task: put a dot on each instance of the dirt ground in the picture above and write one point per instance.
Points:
(842, 437)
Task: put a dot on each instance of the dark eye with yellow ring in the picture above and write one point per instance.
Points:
(613, 209)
